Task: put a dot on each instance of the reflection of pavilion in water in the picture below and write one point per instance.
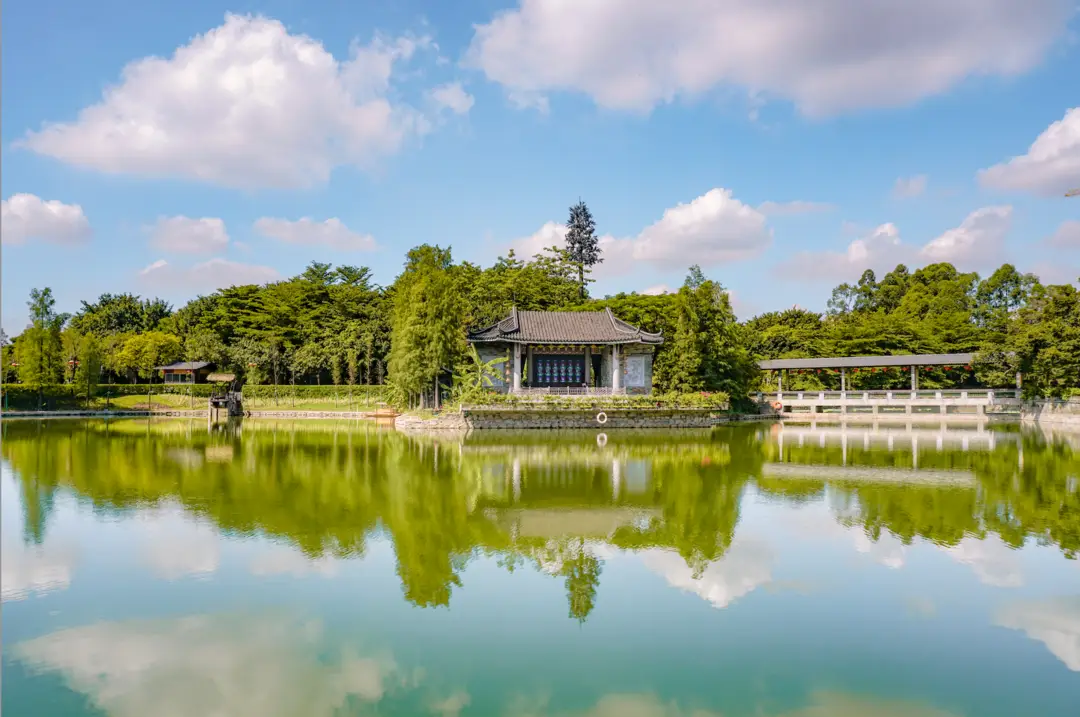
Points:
(533, 496)
(855, 440)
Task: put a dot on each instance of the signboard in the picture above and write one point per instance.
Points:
(635, 371)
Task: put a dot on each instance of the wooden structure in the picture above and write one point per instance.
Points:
(569, 352)
(186, 372)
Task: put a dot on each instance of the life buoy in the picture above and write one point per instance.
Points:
(601, 440)
(601, 418)
(777, 406)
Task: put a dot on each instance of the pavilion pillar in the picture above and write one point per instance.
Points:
(588, 365)
(517, 368)
(616, 369)
(530, 371)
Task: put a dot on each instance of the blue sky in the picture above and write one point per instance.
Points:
(168, 148)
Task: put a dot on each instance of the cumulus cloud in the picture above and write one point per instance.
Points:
(246, 104)
(713, 229)
(452, 96)
(978, 241)
(308, 232)
(826, 56)
(881, 249)
(1067, 235)
(908, 187)
(183, 235)
(1051, 166)
(746, 566)
(657, 290)
(240, 666)
(26, 217)
(796, 207)
(994, 562)
(210, 275)
(1054, 622)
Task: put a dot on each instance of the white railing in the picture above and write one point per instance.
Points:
(988, 394)
(568, 391)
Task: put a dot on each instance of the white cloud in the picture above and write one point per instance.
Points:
(827, 56)
(908, 187)
(746, 566)
(1051, 166)
(452, 96)
(308, 232)
(978, 241)
(880, 250)
(713, 229)
(1054, 622)
(27, 570)
(887, 550)
(209, 665)
(214, 274)
(1067, 235)
(183, 235)
(994, 562)
(657, 290)
(798, 206)
(246, 104)
(27, 217)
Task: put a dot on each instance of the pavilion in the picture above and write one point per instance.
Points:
(571, 352)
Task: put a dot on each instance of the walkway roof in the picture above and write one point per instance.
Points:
(869, 361)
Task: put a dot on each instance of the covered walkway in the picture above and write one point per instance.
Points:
(844, 363)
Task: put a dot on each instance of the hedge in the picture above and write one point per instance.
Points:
(73, 396)
(716, 400)
(356, 394)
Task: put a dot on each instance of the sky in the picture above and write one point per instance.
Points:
(169, 149)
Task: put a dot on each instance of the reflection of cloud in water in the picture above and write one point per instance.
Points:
(1054, 622)
(451, 706)
(175, 545)
(837, 704)
(208, 665)
(281, 560)
(886, 550)
(822, 704)
(746, 565)
(994, 562)
(34, 569)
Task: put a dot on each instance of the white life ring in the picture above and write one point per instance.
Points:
(601, 418)
(601, 440)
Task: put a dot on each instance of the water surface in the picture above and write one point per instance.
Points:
(318, 569)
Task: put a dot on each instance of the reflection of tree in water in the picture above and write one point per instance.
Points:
(326, 487)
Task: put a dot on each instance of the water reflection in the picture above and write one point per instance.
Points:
(545, 499)
(586, 578)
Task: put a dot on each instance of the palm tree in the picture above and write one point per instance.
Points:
(477, 373)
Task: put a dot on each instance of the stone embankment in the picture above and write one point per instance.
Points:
(1065, 413)
(522, 419)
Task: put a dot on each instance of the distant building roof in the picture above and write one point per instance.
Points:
(221, 377)
(184, 366)
(564, 327)
(869, 361)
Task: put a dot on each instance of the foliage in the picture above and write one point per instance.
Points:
(582, 244)
(141, 353)
(717, 400)
(120, 314)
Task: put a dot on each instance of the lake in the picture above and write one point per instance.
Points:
(279, 569)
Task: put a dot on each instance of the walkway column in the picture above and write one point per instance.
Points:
(843, 379)
(616, 368)
(517, 368)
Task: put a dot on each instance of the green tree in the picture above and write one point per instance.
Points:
(582, 244)
(88, 371)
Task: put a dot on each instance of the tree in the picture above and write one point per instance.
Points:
(88, 371)
(477, 374)
(582, 245)
(38, 349)
(428, 325)
(142, 353)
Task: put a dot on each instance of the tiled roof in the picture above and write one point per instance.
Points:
(184, 366)
(868, 361)
(564, 327)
